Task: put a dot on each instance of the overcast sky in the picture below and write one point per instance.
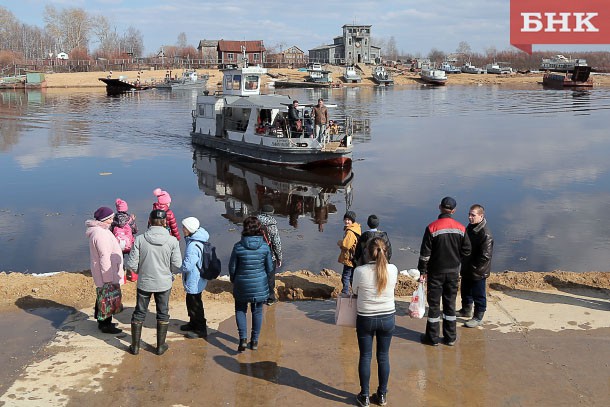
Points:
(417, 26)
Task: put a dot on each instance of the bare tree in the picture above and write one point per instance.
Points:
(436, 55)
(9, 28)
(70, 27)
(181, 43)
(133, 42)
(463, 48)
(391, 50)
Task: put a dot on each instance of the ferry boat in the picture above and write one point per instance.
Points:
(241, 121)
(560, 63)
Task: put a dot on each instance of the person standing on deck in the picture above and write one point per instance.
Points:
(320, 119)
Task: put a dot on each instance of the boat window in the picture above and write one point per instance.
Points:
(202, 110)
(236, 82)
(228, 81)
(251, 82)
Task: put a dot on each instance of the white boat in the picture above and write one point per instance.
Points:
(469, 68)
(381, 76)
(350, 75)
(560, 63)
(188, 80)
(315, 73)
(433, 76)
(241, 121)
(448, 68)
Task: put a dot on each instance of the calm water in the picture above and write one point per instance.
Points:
(536, 159)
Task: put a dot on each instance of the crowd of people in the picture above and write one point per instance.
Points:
(448, 250)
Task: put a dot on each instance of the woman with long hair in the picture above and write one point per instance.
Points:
(374, 284)
(250, 267)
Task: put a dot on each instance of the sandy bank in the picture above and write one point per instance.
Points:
(90, 79)
(76, 290)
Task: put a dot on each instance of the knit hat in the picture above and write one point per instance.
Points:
(350, 215)
(157, 214)
(103, 213)
(191, 224)
(448, 203)
(162, 196)
(373, 221)
(267, 209)
(121, 206)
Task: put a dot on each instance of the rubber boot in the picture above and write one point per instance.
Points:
(161, 335)
(465, 312)
(136, 334)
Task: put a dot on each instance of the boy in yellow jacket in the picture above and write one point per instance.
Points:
(348, 248)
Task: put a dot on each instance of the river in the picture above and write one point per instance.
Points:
(536, 159)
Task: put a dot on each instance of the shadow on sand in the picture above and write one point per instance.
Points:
(552, 298)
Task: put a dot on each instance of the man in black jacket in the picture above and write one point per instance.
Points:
(443, 246)
(476, 268)
(294, 119)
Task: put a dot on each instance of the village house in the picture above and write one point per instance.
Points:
(353, 47)
(230, 52)
(294, 56)
(208, 51)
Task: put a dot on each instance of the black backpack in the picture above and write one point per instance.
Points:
(210, 263)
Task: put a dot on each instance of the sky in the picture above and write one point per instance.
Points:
(417, 26)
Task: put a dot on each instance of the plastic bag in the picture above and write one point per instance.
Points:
(417, 308)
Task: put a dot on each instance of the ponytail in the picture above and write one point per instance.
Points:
(377, 251)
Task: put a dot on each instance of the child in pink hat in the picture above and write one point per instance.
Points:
(164, 200)
(124, 226)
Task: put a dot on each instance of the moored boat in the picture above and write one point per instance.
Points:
(381, 76)
(350, 75)
(243, 122)
(433, 76)
(448, 68)
(560, 63)
(117, 86)
(469, 68)
(579, 78)
(188, 80)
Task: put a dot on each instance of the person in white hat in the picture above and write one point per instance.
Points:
(194, 285)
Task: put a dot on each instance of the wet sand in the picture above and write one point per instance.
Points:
(537, 347)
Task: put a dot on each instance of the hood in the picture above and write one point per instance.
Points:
(252, 242)
(121, 218)
(157, 235)
(266, 219)
(163, 207)
(200, 235)
(92, 224)
(355, 227)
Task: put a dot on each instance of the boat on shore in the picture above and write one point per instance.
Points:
(497, 69)
(469, 68)
(350, 75)
(188, 80)
(560, 63)
(381, 76)
(241, 121)
(579, 78)
(450, 69)
(433, 76)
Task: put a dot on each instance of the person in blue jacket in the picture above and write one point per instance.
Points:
(250, 268)
(191, 278)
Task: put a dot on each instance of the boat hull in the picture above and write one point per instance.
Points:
(295, 84)
(291, 156)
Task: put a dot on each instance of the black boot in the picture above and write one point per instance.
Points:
(243, 343)
(161, 335)
(466, 311)
(136, 334)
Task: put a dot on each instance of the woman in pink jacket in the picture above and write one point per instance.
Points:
(106, 258)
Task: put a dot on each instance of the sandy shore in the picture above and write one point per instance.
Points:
(90, 79)
(541, 331)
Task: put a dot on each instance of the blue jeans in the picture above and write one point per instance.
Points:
(346, 278)
(473, 291)
(242, 322)
(382, 327)
(161, 302)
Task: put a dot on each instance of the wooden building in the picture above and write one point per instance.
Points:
(353, 47)
(230, 52)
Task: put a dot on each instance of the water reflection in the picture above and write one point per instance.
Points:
(294, 193)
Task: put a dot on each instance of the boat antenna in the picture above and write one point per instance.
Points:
(244, 58)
